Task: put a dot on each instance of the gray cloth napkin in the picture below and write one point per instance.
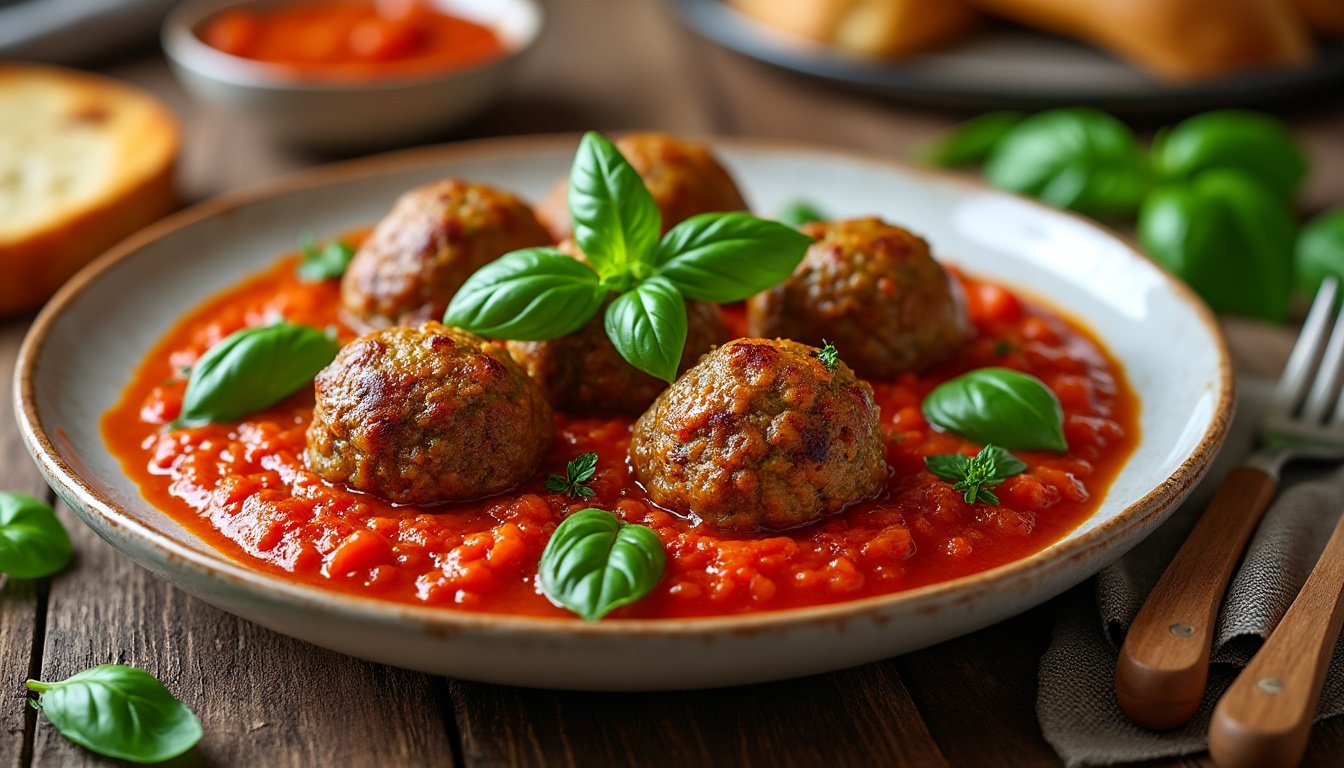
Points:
(1076, 702)
(77, 31)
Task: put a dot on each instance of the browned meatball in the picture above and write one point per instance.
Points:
(873, 290)
(761, 435)
(434, 238)
(684, 177)
(426, 414)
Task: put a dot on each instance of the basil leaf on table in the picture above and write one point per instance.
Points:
(647, 325)
(33, 543)
(616, 221)
(800, 212)
(253, 369)
(595, 562)
(998, 406)
(725, 257)
(1228, 238)
(971, 142)
(535, 293)
(120, 712)
(326, 263)
(1320, 250)
(1079, 159)
(1257, 145)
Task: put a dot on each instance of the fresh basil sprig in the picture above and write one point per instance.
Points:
(1257, 145)
(541, 293)
(595, 563)
(120, 712)
(975, 475)
(326, 263)
(1001, 407)
(252, 369)
(828, 355)
(574, 483)
(1320, 250)
(33, 543)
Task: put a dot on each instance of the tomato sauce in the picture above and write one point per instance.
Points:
(351, 40)
(244, 487)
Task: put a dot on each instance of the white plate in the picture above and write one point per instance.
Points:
(83, 349)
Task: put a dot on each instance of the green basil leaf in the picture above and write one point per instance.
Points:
(1000, 406)
(532, 294)
(1228, 238)
(1079, 159)
(800, 212)
(724, 257)
(647, 325)
(326, 263)
(120, 712)
(1320, 250)
(951, 467)
(253, 369)
(1002, 463)
(595, 562)
(1255, 144)
(971, 142)
(33, 543)
(616, 222)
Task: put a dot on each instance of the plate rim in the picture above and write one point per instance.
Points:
(105, 516)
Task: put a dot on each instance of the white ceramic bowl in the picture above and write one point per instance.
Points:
(86, 343)
(347, 115)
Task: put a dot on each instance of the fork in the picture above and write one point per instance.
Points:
(1164, 663)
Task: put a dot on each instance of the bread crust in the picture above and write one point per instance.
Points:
(868, 27)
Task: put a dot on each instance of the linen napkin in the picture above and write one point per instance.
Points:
(1076, 702)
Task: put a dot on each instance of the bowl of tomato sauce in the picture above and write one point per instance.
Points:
(343, 75)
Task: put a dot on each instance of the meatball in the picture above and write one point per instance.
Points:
(761, 435)
(421, 252)
(684, 177)
(873, 290)
(425, 414)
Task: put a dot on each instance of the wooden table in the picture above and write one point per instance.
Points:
(265, 699)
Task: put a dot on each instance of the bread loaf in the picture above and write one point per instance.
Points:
(867, 27)
(84, 162)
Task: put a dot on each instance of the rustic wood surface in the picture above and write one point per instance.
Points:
(268, 700)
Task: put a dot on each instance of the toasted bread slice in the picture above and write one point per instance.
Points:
(84, 162)
(867, 27)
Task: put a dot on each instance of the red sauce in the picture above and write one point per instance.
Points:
(244, 488)
(351, 40)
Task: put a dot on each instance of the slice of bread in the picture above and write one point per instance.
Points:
(867, 27)
(84, 162)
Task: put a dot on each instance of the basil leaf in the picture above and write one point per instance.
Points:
(724, 257)
(1320, 250)
(616, 222)
(253, 369)
(647, 325)
(1002, 463)
(120, 712)
(971, 142)
(974, 475)
(535, 293)
(1000, 406)
(1079, 159)
(33, 543)
(951, 467)
(595, 562)
(800, 212)
(1257, 145)
(326, 263)
(1228, 238)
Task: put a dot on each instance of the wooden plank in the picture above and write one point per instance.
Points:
(860, 717)
(263, 699)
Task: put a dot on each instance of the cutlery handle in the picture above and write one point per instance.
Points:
(1164, 662)
(1265, 717)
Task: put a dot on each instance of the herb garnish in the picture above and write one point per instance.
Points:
(541, 293)
(1000, 406)
(578, 472)
(828, 355)
(120, 712)
(595, 562)
(326, 263)
(973, 475)
(800, 212)
(33, 543)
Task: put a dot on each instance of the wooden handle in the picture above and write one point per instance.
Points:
(1265, 717)
(1164, 662)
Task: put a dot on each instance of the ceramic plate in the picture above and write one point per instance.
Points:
(1008, 66)
(86, 343)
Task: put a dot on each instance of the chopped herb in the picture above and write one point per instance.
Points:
(828, 355)
(325, 263)
(1002, 348)
(578, 472)
(973, 475)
